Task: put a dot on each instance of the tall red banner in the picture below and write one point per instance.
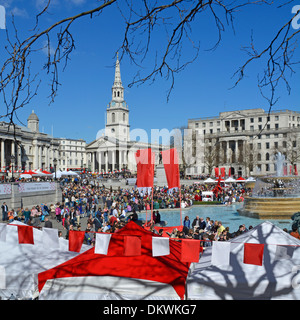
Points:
(217, 172)
(222, 172)
(145, 168)
(171, 165)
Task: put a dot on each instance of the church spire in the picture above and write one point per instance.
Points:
(117, 89)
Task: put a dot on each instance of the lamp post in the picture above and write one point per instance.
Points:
(55, 163)
(12, 159)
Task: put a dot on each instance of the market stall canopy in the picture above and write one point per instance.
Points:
(239, 279)
(117, 276)
(209, 180)
(230, 179)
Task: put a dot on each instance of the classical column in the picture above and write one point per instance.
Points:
(120, 159)
(113, 159)
(106, 160)
(99, 161)
(47, 158)
(93, 155)
(19, 156)
(3, 154)
(13, 147)
(40, 157)
(236, 151)
(227, 153)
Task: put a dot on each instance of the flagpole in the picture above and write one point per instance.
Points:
(152, 204)
(180, 204)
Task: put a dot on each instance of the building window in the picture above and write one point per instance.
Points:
(260, 119)
(276, 125)
(124, 117)
(267, 145)
(113, 117)
(267, 167)
(267, 157)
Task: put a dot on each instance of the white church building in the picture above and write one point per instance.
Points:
(113, 149)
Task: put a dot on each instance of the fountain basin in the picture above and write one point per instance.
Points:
(270, 208)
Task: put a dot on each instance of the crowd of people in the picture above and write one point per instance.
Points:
(108, 210)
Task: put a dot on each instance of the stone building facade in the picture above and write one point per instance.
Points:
(244, 141)
(26, 148)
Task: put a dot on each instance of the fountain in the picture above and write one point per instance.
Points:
(274, 197)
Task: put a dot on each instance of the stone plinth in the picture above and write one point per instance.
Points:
(161, 176)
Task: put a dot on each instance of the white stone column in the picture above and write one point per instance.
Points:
(236, 151)
(13, 147)
(19, 156)
(3, 154)
(40, 158)
(113, 159)
(106, 160)
(93, 154)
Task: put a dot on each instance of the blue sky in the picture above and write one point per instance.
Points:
(201, 90)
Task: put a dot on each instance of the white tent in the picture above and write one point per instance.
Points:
(230, 179)
(21, 263)
(209, 180)
(69, 173)
(58, 174)
(275, 279)
(39, 173)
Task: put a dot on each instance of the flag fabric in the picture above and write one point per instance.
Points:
(145, 168)
(216, 172)
(76, 240)
(295, 170)
(3, 232)
(190, 250)
(229, 172)
(222, 172)
(220, 253)
(284, 252)
(50, 238)
(102, 243)
(25, 234)
(171, 165)
(160, 246)
(253, 253)
(132, 246)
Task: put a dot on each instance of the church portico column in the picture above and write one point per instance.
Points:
(93, 155)
(106, 161)
(113, 159)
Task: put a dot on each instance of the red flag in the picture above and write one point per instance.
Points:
(222, 172)
(171, 165)
(190, 250)
(132, 246)
(216, 172)
(25, 234)
(229, 172)
(145, 168)
(285, 170)
(296, 171)
(253, 253)
(76, 240)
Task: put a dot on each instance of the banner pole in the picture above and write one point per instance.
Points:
(180, 204)
(152, 204)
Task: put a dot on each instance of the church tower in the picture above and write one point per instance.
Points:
(117, 113)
